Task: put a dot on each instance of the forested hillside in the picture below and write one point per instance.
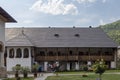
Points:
(113, 30)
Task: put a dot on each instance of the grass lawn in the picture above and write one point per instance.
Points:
(82, 72)
(21, 79)
(90, 77)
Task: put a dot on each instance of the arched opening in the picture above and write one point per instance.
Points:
(18, 53)
(1, 46)
(5, 56)
(11, 53)
(26, 53)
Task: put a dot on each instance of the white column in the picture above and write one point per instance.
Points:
(22, 49)
(68, 66)
(89, 63)
(15, 49)
(76, 65)
(112, 65)
(45, 66)
(57, 63)
(29, 52)
(8, 53)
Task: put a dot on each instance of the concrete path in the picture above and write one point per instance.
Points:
(44, 76)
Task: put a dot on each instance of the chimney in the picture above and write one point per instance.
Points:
(73, 26)
(90, 26)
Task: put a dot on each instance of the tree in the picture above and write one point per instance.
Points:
(25, 71)
(17, 69)
(99, 67)
(35, 67)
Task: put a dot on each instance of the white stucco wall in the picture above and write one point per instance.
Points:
(11, 62)
(2, 39)
(2, 31)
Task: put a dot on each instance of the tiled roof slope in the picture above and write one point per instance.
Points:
(5, 15)
(19, 40)
(63, 37)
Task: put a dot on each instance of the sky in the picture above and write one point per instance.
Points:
(61, 13)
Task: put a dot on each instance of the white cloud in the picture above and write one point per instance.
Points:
(102, 22)
(114, 19)
(104, 1)
(83, 20)
(27, 21)
(54, 7)
(89, 1)
(86, 1)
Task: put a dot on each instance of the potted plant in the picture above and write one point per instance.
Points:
(25, 71)
(35, 67)
(17, 69)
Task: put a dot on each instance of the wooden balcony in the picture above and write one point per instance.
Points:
(73, 58)
(94, 58)
(51, 58)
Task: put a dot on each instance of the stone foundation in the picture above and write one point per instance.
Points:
(3, 72)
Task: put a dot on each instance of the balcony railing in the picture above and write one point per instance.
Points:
(73, 58)
(94, 58)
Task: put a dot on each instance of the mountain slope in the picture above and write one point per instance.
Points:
(113, 30)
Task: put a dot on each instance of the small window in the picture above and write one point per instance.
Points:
(19, 53)
(42, 53)
(26, 53)
(56, 35)
(77, 35)
(51, 53)
(11, 53)
(70, 52)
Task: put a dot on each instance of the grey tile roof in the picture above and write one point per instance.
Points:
(4, 14)
(45, 37)
(19, 40)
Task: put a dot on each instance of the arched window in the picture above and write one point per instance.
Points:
(26, 53)
(18, 53)
(1, 46)
(11, 53)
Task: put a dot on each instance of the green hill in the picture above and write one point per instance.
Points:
(113, 30)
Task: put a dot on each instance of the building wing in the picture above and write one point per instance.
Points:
(5, 16)
(63, 37)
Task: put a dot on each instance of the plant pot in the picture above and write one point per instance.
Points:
(25, 75)
(35, 74)
(16, 75)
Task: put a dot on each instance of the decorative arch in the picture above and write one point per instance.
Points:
(26, 53)
(11, 53)
(1, 46)
(18, 53)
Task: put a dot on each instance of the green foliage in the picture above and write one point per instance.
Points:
(90, 77)
(25, 69)
(99, 67)
(85, 67)
(35, 67)
(17, 67)
(30, 78)
(113, 30)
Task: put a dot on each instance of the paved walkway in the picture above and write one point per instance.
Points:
(44, 76)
